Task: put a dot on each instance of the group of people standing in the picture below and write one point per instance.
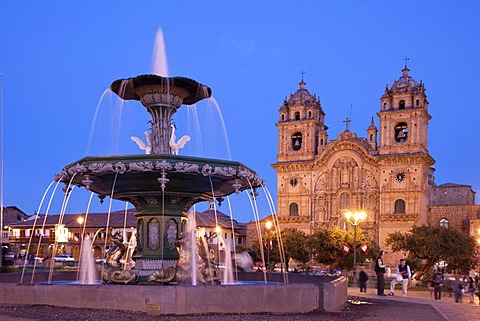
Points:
(403, 275)
(470, 285)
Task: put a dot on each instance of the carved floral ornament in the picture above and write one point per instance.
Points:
(163, 165)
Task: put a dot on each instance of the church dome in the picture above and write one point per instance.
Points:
(406, 84)
(302, 96)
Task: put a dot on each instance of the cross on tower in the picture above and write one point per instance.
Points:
(406, 59)
(347, 121)
(302, 73)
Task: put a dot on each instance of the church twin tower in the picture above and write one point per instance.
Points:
(386, 174)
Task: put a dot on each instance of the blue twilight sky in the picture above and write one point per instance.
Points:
(57, 58)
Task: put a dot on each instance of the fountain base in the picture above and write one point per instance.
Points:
(304, 294)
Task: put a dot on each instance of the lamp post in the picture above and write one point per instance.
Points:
(268, 226)
(355, 218)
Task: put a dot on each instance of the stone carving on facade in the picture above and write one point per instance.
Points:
(371, 181)
(321, 184)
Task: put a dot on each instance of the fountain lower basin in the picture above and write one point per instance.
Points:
(303, 294)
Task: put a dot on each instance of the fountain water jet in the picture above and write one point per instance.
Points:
(87, 263)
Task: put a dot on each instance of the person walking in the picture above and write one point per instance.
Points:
(403, 275)
(362, 280)
(438, 282)
(458, 292)
(380, 272)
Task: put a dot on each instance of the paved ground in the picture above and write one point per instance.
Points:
(360, 306)
(446, 307)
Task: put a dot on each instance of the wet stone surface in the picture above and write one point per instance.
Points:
(354, 309)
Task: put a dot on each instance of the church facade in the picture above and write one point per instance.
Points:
(388, 174)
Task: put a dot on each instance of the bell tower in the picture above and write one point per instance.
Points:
(403, 158)
(301, 128)
(404, 117)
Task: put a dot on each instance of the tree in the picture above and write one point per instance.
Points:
(435, 244)
(327, 245)
(295, 246)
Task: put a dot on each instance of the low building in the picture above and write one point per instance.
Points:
(42, 235)
(11, 214)
(61, 234)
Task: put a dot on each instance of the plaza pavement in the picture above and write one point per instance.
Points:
(446, 307)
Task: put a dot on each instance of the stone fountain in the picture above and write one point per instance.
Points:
(161, 185)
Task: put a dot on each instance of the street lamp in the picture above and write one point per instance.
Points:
(355, 218)
(268, 226)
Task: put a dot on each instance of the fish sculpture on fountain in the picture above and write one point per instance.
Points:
(113, 272)
(161, 185)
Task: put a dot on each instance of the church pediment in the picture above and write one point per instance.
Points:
(357, 149)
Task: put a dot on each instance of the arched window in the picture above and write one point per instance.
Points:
(297, 115)
(384, 106)
(344, 201)
(283, 117)
(444, 223)
(399, 207)
(371, 137)
(297, 141)
(309, 114)
(417, 103)
(293, 209)
(401, 104)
